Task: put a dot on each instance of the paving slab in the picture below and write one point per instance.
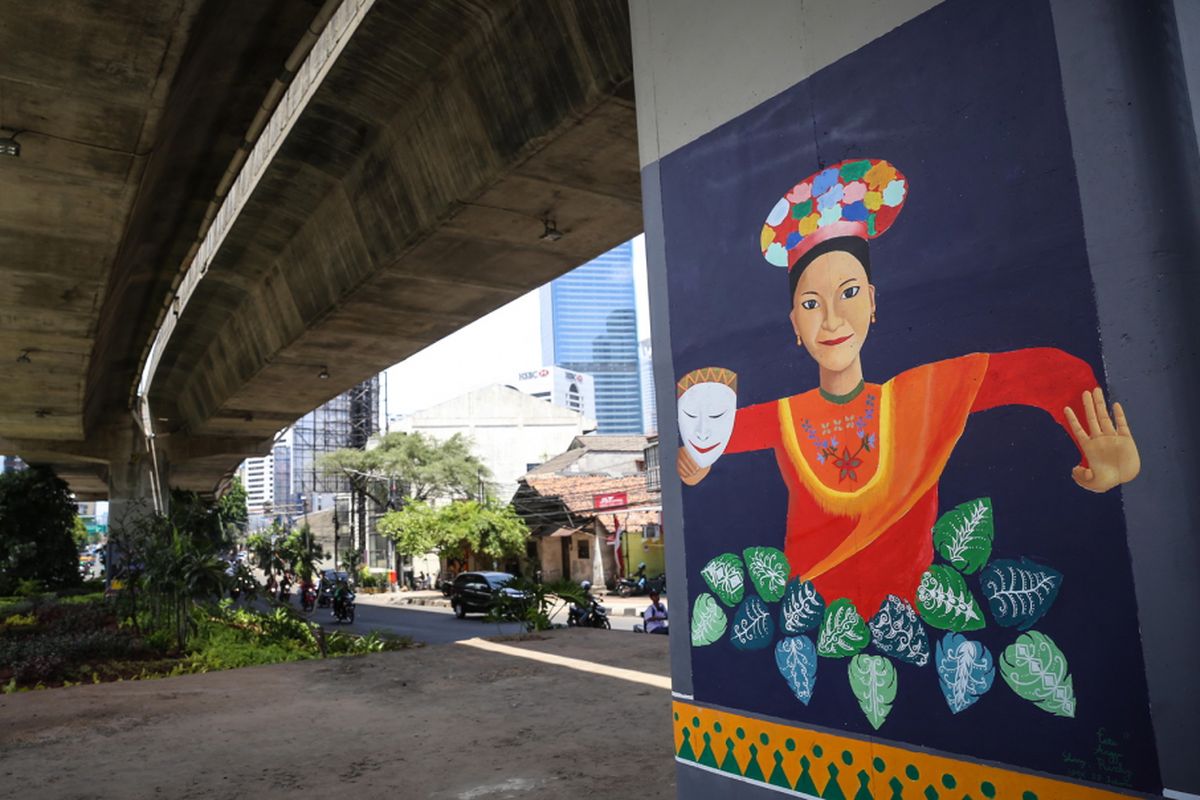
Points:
(444, 722)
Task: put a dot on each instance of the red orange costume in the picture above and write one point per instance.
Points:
(862, 470)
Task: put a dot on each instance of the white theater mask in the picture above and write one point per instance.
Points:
(706, 413)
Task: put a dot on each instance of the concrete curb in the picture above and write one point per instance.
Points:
(393, 599)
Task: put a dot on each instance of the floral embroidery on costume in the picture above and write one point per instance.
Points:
(841, 441)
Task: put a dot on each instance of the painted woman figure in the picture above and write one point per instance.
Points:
(862, 461)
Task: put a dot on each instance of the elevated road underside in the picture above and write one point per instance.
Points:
(409, 197)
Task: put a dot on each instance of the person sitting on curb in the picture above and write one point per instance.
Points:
(655, 614)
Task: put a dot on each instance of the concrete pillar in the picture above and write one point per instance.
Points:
(1051, 182)
(136, 478)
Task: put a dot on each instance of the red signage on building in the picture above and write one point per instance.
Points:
(610, 500)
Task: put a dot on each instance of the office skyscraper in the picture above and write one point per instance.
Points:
(589, 324)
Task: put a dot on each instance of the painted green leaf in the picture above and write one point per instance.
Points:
(796, 660)
(963, 535)
(897, 632)
(769, 571)
(1019, 592)
(802, 608)
(726, 577)
(708, 620)
(873, 680)
(843, 632)
(1036, 669)
(945, 601)
(753, 627)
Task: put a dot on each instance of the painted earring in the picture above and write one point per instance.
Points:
(799, 341)
(872, 316)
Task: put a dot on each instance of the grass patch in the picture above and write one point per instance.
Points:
(51, 642)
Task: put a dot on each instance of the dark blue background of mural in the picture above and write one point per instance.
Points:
(988, 255)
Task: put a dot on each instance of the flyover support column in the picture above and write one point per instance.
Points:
(888, 245)
(137, 482)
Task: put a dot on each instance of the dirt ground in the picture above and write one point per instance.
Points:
(445, 722)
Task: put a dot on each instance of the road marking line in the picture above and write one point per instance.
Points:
(631, 675)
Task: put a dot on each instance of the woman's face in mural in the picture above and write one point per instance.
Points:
(706, 414)
(832, 308)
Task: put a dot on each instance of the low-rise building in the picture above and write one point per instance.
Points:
(591, 513)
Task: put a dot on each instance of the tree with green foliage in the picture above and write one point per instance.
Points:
(37, 520)
(454, 530)
(232, 511)
(267, 549)
(79, 534)
(301, 552)
(412, 466)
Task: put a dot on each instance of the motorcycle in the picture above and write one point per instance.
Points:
(594, 616)
(308, 597)
(343, 608)
(639, 584)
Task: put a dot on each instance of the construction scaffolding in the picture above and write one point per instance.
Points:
(348, 420)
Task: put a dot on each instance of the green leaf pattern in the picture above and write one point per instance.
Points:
(945, 601)
(843, 632)
(802, 608)
(708, 620)
(1036, 670)
(1033, 666)
(769, 571)
(874, 681)
(963, 535)
(726, 577)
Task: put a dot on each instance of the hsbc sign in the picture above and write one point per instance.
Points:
(531, 375)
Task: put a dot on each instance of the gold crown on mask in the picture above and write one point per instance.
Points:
(706, 375)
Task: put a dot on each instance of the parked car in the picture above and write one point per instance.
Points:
(476, 592)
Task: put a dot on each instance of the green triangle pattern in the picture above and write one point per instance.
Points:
(706, 755)
(805, 782)
(833, 789)
(685, 751)
(753, 770)
(730, 764)
(778, 776)
(864, 786)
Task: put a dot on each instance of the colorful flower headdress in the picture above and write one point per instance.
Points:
(860, 198)
(706, 375)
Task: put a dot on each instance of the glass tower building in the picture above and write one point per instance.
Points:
(589, 324)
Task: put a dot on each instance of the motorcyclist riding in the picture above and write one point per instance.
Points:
(341, 593)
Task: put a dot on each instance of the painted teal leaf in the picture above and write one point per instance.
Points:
(873, 680)
(769, 571)
(963, 535)
(796, 659)
(802, 608)
(843, 632)
(1019, 593)
(708, 620)
(752, 625)
(945, 601)
(898, 632)
(1036, 669)
(726, 577)
(965, 670)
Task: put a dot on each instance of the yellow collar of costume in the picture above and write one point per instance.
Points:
(843, 503)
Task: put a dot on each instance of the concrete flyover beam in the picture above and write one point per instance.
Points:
(408, 199)
(127, 113)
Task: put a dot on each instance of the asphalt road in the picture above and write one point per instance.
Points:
(433, 625)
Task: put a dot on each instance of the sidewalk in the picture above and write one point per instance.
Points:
(618, 606)
(561, 715)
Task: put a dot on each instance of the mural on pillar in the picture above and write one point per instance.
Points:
(901, 470)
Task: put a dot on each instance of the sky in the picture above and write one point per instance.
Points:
(493, 349)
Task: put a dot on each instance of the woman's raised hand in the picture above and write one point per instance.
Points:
(1107, 444)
